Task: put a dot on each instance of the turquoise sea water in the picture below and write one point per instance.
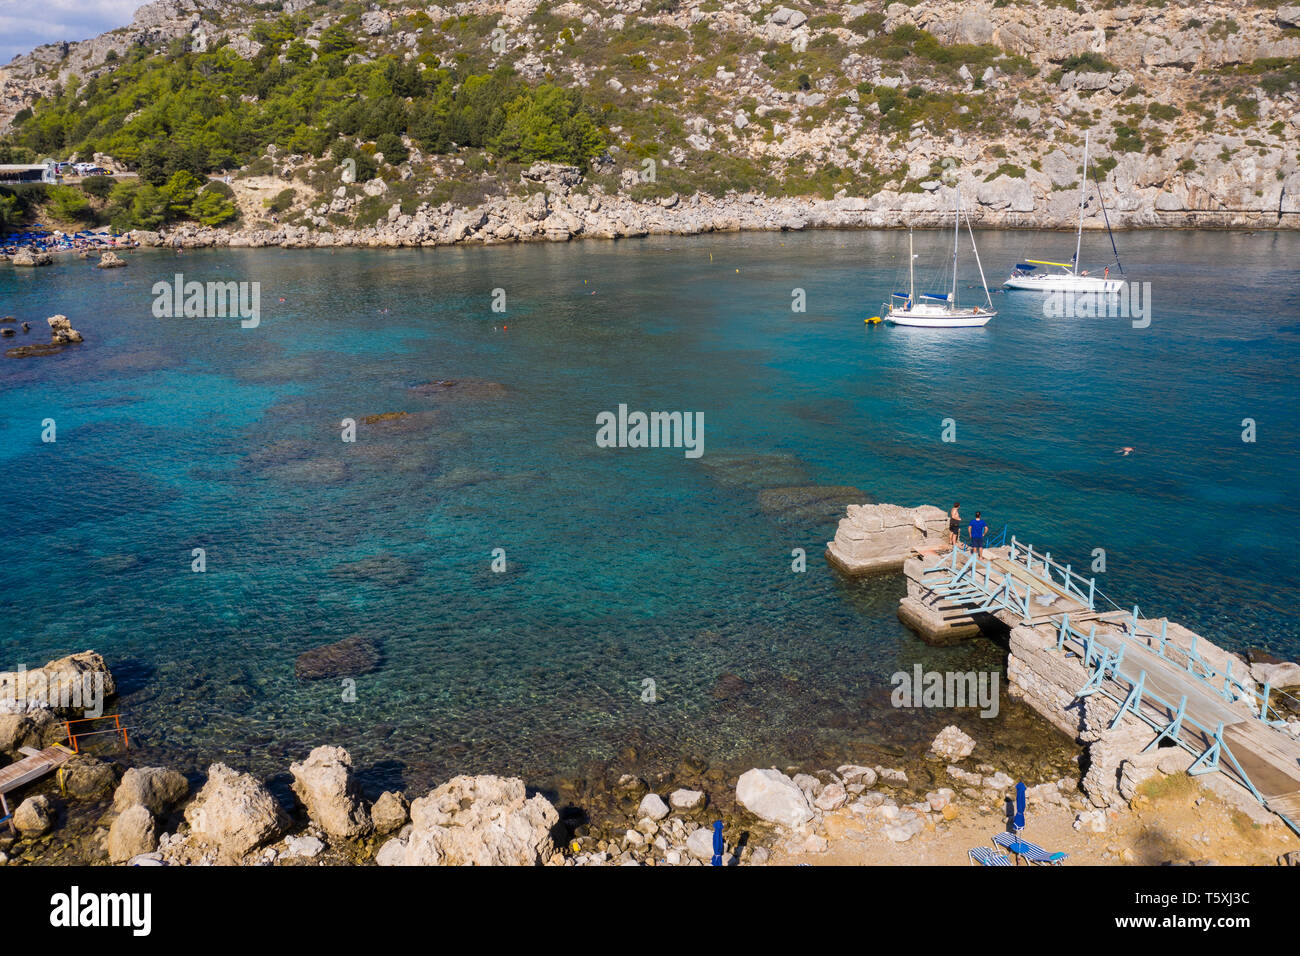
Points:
(622, 564)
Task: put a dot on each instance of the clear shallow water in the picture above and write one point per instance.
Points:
(623, 564)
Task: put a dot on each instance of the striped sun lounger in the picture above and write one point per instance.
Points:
(985, 856)
(1032, 853)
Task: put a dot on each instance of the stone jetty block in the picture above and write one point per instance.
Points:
(881, 537)
(934, 618)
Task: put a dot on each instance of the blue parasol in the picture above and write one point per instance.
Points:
(718, 845)
(1019, 821)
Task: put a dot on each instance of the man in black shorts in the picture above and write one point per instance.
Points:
(954, 524)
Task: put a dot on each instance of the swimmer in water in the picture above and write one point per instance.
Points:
(1125, 451)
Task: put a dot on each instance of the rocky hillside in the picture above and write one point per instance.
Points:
(341, 116)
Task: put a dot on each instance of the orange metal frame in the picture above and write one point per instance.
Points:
(117, 728)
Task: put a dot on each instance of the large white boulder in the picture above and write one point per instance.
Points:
(652, 806)
(326, 787)
(686, 799)
(772, 796)
(234, 813)
(476, 821)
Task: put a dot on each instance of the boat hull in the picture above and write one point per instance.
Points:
(1065, 283)
(940, 318)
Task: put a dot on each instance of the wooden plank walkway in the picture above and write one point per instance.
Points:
(36, 764)
(1047, 598)
(1269, 757)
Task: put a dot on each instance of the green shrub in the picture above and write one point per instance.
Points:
(98, 186)
(1006, 169)
(282, 202)
(1088, 63)
(395, 152)
(69, 204)
(211, 208)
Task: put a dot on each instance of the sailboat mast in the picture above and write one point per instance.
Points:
(980, 265)
(911, 270)
(1083, 190)
(956, 236)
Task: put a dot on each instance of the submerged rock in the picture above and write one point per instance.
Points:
(349, 657)
(279, 452)
(313, 471)
(477, 821)
(33, 351)
(953, 744)
(729, 686)
(756, 470)
(810, 504)
(687, 800)
(387, 569)
(403, 423)
(462, 389)
(383, 417)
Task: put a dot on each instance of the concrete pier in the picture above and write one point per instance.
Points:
(882, 537)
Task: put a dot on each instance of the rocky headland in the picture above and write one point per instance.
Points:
(749, 116)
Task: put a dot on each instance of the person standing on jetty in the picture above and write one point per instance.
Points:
(954, 524)
(977, 529)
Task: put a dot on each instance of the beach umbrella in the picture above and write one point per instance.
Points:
(718, 845)
(1019, 821)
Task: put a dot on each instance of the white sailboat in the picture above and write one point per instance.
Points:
(939, 310)
(1026, 275)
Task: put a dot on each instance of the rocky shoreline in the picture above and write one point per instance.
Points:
(108, 813)
(562, 216)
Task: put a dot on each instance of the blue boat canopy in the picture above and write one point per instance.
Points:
(1026, 266)
(900, 295)
(943, 296)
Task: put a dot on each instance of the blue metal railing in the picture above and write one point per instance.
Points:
(977, 580)
(1190, 660)
(1106, 664)
(997, 541)
(1042, 565)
